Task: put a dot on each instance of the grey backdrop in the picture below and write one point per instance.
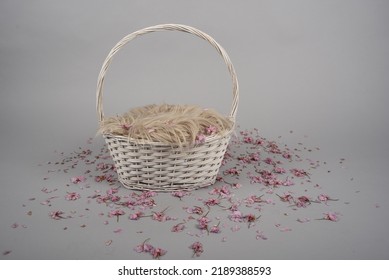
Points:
(318, 68)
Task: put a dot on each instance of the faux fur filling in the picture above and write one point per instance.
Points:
(178, 125)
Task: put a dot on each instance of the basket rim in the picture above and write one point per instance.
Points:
(143, 142)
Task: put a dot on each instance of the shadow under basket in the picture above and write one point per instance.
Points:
(160, 166)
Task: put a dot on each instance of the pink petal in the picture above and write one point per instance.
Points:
(15, 225)
(285, 229)
(303, 220)
(235, 228)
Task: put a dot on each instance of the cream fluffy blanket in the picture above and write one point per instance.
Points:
(179, 125)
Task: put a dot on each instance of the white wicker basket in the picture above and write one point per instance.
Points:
(158, 166)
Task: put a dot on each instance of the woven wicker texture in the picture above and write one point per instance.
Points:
(158, 166)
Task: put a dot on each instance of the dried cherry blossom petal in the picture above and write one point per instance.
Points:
(212, 202)
(211, 130)
(215, 229)
(286, 198)
(299, 172)
(15, 225)
(78, 179)
(269, 160)
(159, 216)
(253, 199)
(57, 215)
(136, 216)
(250, 218)
(115, 198)
(287, 183)
(303, 220)
(279, 170)
(302, 201)
(248, 139)
(197, 248)
(112, 191)
(72, 196)
(236, 216)
(100, 178)
(285, 229)
(195, 210)
(203, 222)
(223, 191)
(235, 228)
(200, 139)
(157, 252)
(126, 126)
(178, 228)
(144, 247)
(323, 197)
(46, 190)
(269, 201)
(117, 213)
(232, 171)
(180, 194)
(331, 216)
(260, 235)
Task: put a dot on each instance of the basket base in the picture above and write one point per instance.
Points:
(166, 188)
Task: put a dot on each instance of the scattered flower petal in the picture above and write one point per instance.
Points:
(136, 216)
(57, 215)
(197, 248)
(211, 130)
(144, 247)
(72, 196)
(260, 235)
(235, 228)
(303, 220)
(331, 216)
(78, 179)
(200, 139)
(15, 225)
(299, 172)
(178, 228)
(117, 213)
(157, 252)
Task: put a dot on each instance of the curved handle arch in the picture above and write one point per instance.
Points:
(166, 27)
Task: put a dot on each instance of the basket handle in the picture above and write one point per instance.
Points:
(167, 27)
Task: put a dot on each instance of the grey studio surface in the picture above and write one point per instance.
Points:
(311, 72)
